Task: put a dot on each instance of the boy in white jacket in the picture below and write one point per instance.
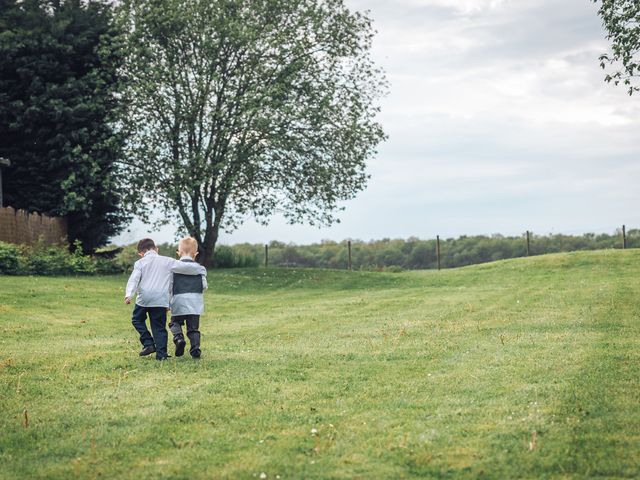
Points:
(187, 300)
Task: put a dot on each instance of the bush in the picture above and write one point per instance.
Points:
(234, 257)
(224, 257)
(46, 260)
(107, 266)
(393, 269)
(56, 260)
(126, 258)
(80, 263)
(9, 259)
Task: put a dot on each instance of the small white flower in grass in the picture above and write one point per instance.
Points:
(263, 475)
(314, 431)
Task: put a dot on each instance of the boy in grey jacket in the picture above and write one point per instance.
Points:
(187, 300)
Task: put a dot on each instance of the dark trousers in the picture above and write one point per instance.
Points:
(158, 321)
(193, 323)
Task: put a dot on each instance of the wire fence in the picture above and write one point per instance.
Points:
(415, 253)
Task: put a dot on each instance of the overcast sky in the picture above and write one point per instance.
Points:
(499, 121)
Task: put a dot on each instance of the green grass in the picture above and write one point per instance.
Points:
(406, 375)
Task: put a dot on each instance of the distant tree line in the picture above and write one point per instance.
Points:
(411, 253)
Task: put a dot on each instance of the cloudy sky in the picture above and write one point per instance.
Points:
(499, 121)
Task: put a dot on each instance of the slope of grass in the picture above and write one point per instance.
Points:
(522, 368)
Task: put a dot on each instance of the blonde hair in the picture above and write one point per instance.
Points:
(188, 246)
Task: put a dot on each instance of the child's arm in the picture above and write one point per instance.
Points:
(204, 281)
(187, 268)
(132, 284)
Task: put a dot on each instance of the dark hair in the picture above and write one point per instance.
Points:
(146, 244)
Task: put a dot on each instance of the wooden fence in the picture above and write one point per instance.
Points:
(19, 226)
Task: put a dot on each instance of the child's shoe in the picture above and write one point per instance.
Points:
(180, 344)
(147, 351)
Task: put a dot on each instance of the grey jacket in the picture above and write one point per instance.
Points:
(187, 290)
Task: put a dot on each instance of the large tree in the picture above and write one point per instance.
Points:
(247, 107)
(621, 20)
(58, 106)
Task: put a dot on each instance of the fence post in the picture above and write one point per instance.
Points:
(624, 237)
(438, 249)
(349, 246)
(266, 255)
(3, 163)
(528, 243)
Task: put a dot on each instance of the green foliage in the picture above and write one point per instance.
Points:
(621, 20)
(106, 266)
(243, 108)
(80, 263)
(224, 257)
(413, 253)
(49, 261)
(9, 259)
(55, 260)
(58, 104)
(52, 260)
(326, 374)
(235, 257)
(125, 259)
(245, 256)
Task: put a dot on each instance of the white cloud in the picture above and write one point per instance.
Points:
(463, 6)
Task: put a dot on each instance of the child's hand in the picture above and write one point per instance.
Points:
(127, 300)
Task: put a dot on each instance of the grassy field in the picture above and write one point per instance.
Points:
(525, 368)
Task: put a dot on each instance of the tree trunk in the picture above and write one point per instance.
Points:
(210, 239)
(216, 210)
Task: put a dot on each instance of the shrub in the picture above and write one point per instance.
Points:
(246, 258)
(393, 269)
(80, 263)
(108, 266)
(46, 260)
(224, 257)
(126, 258)
(9, 259)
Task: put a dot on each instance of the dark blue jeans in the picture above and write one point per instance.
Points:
(158, 321)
